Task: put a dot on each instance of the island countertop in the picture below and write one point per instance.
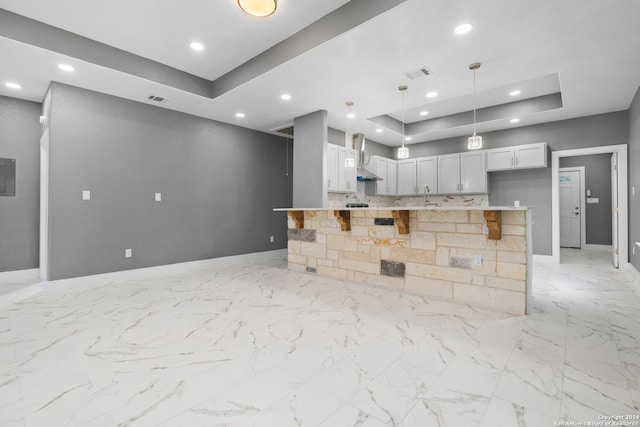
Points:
(413, 208)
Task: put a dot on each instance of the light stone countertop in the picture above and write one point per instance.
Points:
(413, 208)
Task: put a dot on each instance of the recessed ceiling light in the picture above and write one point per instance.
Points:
(379, 130)
(463, 28)
(240, 115)
(351, 115)
(514, 93)
(13, 85)
(407, 138)
(516, 120)
(285, 97)
(197, 46)
(66, 67)
(424, 113)
(432, 94)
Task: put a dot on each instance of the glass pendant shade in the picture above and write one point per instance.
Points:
(403, 152)
(475, 142)
(259, 8)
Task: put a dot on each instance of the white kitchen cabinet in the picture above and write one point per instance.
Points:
(531, 155)
(386, 169)
(517, 157)
(407, 177)
(341, 169)
(462, 173)
(427, 174)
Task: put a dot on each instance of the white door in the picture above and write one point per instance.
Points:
(44, 206)
(614, 210)
(569, 209)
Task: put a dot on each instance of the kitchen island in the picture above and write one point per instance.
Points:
(475, 255)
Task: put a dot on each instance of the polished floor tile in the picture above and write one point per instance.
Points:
(253, 344)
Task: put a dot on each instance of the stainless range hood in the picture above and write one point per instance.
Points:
(362, 173)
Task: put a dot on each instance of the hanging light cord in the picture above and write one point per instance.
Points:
(475, 102)
(403, 118)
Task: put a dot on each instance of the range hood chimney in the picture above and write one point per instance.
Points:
(363, 173)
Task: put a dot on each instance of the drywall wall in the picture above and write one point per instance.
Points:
(19, 214)
(597, 170)
(219, 184)
(533, 187)
(310, 138)
(634, 180)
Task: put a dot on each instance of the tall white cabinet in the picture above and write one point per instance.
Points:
(341, 169)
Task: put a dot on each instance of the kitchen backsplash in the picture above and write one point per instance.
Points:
(339, 200)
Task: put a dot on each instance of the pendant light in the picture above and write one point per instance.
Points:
(260, 8)
(403, 152)
(475, 141)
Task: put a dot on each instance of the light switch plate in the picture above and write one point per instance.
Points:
(128, 253)
(86, 195)
(158, 197)
(477, 260)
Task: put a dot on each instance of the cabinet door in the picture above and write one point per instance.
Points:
(392, 177)
(381, 171)
(473, 172)
(500, 159)
(348, 178)
(427, 175)
(332, 167)
(449, 174)
(407, 177)
(531, 155)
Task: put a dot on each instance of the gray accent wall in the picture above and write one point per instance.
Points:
(533, 187)
(219, 184)
(19, 214)
(597, 170)
(310, 136)
(634, 179)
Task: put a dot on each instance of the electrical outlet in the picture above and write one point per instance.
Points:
(128, 253)
(158, 197)
(485, 229)
(477, 260)
(272, 239)
(86, 195)
(334, 224)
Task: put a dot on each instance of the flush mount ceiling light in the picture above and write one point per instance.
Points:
(199, 47)
(475, 141)
(379, 130)
(514, 93)
(13, 85)
(66, 67)
(432, 94)
(403, 152)
(463, 28)
(424, 113)
(350, 115)
(260, 8)
(240, 115)
(285, 97)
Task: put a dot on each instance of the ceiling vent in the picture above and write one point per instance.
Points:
(158, 99)
(416, 74)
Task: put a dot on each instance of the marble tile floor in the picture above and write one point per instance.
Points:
(253, 344)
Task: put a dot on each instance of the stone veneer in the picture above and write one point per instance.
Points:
(437, 254)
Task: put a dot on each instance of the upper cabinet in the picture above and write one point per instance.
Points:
(407, 177)
(517, 157)
(417, 176)
(387, 169)
(462, 173)
(341, 169)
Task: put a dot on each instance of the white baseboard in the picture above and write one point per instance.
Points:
(543, 258)
(19, 275)
(183, 267)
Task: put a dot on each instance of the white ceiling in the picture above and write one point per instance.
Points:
(592, 46)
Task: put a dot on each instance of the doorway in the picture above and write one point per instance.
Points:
(572, 210)
(619, 218)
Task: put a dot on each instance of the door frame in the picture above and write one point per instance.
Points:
(623, 226)
(583, 204)
(44, 205)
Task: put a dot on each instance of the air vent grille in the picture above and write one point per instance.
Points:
(156, 98)
(416, 74)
